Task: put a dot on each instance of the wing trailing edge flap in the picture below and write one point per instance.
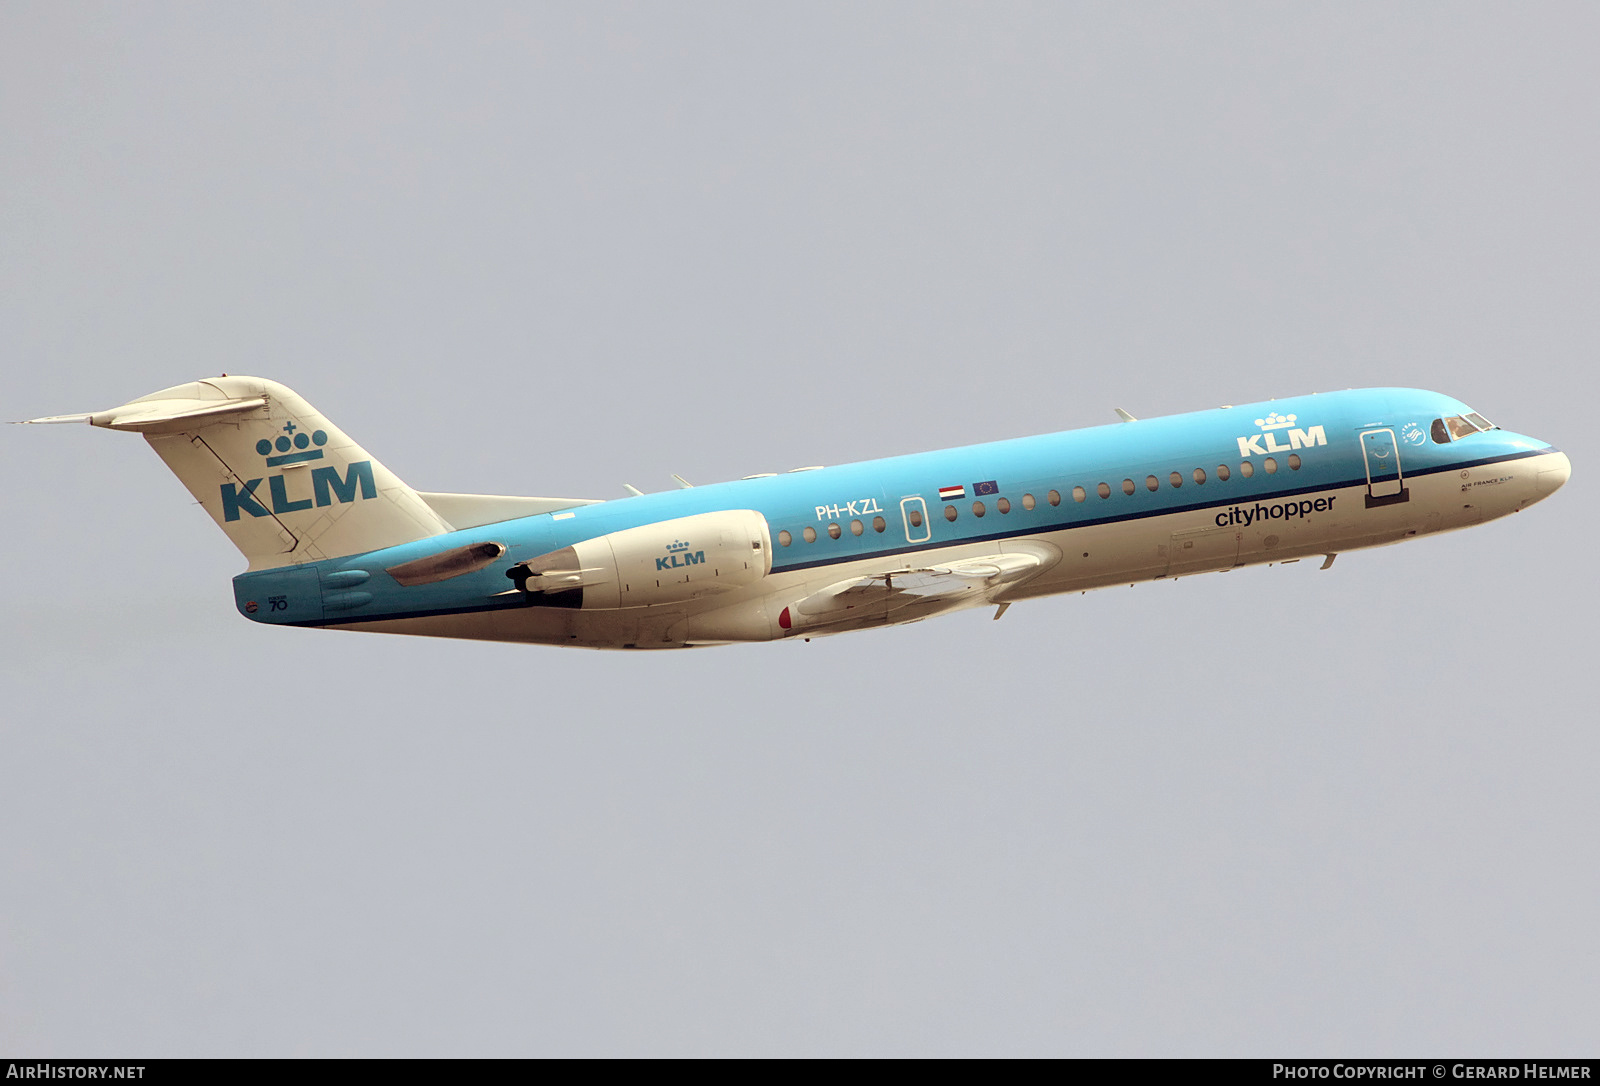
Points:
(474, 510)
(917, 592)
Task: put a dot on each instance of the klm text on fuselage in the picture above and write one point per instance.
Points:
(1298, 439)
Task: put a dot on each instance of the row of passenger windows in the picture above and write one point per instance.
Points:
(1079, 494)
(809, 534)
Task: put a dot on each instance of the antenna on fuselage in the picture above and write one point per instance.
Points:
(683, 483)
(631, 489)
(1123, 415)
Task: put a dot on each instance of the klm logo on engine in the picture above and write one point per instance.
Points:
(1273, 425)
(327, 486)
(679, 555)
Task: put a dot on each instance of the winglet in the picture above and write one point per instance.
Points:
(1123, 415)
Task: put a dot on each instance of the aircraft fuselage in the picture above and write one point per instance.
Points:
(883, 542)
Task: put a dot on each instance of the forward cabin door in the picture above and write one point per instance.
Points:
(1385, 478)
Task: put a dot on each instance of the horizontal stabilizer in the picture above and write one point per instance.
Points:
(150, 416)
(57, 419)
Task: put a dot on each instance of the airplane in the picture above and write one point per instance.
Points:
(335, 540)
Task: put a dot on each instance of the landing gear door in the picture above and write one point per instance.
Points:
(1385, 479)
(914, 515)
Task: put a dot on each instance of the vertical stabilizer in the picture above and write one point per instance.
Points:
(283, 482)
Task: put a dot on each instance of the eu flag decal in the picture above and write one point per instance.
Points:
(980, 489)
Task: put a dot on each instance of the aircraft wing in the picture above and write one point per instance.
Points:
(913, 592)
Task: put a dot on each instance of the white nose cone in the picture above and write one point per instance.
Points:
(1553, 474)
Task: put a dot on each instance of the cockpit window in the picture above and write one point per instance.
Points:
(1457, 427)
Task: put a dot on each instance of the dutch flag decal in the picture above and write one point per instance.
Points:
(951, 493)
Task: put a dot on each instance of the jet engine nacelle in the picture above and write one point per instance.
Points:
(668, 562)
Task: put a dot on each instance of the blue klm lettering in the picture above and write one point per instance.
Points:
(280, 498)
(324, 479)
(694, 558)
(326, 485)
(233, 501)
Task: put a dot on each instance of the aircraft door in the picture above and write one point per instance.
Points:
(1385, 479)
(914, 515)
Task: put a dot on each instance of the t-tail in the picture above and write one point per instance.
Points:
(283, 482)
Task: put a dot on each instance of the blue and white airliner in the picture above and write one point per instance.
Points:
(335, 540)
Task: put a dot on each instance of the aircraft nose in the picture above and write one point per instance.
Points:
(1556, 470)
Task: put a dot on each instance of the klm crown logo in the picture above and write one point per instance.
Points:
(679, 555)
(296, 446)
(1273, 425)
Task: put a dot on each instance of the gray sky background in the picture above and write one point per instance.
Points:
(548, 249)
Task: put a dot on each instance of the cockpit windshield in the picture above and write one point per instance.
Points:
(1457, 427)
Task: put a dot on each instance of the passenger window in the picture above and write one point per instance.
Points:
(1247, 469)
(1104, 490)
(1127, 487)
(916, 518)
(1294, 461)
(1271, 465)
(1199, 476)
(856, 527)
(833, 531)
(1151, 483)
(878, 524)
(950, 513)
(1054, 497)
(784, 538)
(1176, 479)
(809, 535)
(1222, 473)
(1027, 502)
(1003, 504)
(1078, 494)
(978, 510)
